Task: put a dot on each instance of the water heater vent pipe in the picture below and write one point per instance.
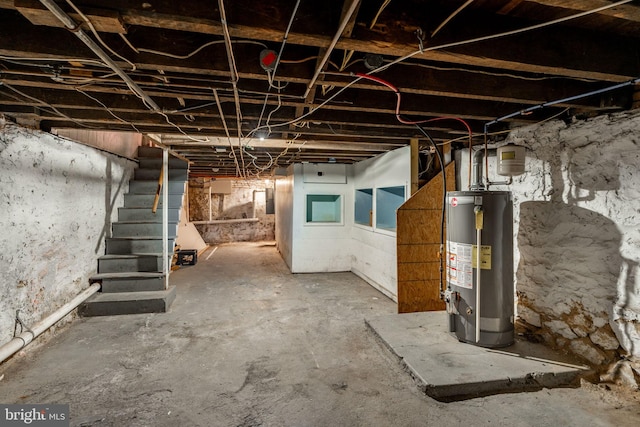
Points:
(478, 184)
(476, 170)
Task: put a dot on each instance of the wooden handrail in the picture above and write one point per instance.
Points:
(156, 199)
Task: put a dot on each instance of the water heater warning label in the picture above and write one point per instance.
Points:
(485, 257)
(462, 259)
(459, 267)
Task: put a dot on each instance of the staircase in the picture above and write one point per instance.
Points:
(131, 269)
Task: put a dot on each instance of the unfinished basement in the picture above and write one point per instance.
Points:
(295, 213)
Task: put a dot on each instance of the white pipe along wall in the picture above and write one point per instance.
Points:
(21, 341)
(577, 238)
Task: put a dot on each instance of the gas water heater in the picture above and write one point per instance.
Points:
(479, 268)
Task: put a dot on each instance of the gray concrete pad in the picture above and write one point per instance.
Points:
(447, 369)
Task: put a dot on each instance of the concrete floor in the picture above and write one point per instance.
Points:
(246, 343)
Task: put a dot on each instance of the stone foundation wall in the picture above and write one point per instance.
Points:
(577, 226)
(258, 231)
(237, 217)
(58, 200)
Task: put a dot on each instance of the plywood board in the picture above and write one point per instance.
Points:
(418, 251)
(418, 271)
(419, 226)
(418, 246)
(420, 295)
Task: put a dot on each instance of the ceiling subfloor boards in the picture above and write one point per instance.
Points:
(177, 53)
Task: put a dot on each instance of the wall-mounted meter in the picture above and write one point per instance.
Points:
(511, 160)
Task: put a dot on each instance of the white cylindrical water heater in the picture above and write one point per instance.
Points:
(480, 267)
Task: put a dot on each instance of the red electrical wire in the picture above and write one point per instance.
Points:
(378, 80)
(399, 96)
(417, 122)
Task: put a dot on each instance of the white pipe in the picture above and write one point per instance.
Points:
(21, 341)
(284, 41)
(275, 67)
(450, 17)
(165, 217)
(186, 200)
(226, 131)
(478, 274)
(479, 157)
(70, 24)
(332, 45)
(234, 79)
(210, 207)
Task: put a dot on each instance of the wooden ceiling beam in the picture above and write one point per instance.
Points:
(103, 20)
(553, 50)
(354, 100)
(341, 129)
(420, 81)
(473, 84)
(628, 12)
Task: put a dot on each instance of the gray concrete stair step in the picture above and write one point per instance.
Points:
(110, 304)
(135, 245)
(142, 228)
(150, 187)
(115, 263)
(146, 201)
(156, 163)
(144, 151)
(145, 214)
(154, 174)
(129, 282)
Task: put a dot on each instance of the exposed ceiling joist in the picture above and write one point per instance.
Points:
(175, 53)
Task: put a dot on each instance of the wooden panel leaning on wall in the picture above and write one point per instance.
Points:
(418, 243)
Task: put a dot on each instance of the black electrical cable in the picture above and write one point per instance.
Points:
(444, 200)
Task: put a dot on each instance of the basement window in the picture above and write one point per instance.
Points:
(324, 209)
(364, 207)
(388, 200)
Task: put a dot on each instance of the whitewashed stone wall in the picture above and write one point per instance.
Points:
(58, 199)
(577, 236)
(239, 205)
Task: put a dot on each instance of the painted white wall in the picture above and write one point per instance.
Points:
(320, 247)
(58, 200)
(576, 234)
(367, 251)
(284, 217)
(374, 251)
